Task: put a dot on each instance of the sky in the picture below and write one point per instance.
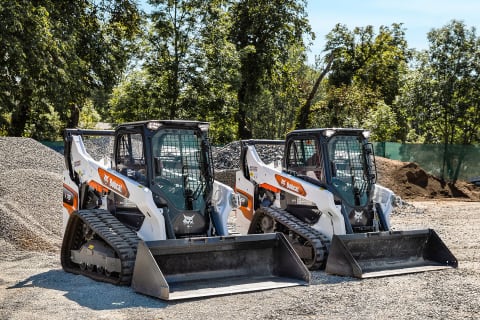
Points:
(418, 17)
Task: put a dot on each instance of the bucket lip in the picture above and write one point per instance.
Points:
(212, 240)
(391, 233)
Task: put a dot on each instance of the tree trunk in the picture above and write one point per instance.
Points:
(20, 115)
(74, 116)
(301, 121)
(241, 116)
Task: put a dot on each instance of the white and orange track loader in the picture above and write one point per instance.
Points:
(154, 217)
(324, 197)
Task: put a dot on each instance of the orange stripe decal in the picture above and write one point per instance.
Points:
(70, 199)
(113, 182)
(98, 187)
(269, 187)
(246, 204)
(291, 185)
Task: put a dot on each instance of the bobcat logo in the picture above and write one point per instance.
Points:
(358, 216)
(187, 221)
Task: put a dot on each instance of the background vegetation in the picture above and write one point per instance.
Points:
(240, 64)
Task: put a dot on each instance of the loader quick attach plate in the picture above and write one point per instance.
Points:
(379, 254)
(201, 267)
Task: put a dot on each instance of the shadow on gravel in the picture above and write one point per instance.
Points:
(89, 293)
(320, 278)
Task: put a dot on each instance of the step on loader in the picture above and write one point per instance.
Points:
(323, 196)
(153, 217)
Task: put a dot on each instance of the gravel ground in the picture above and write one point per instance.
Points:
(33, 285)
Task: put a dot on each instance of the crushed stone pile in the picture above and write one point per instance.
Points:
(30, 194)
(228, 156)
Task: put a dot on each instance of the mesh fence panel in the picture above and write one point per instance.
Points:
(451, 162)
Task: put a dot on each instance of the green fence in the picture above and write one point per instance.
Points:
(452, 162)
(55, 145)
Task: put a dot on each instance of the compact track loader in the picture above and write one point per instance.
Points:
(324, 198)
(154, 217)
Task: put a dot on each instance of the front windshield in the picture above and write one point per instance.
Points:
(348, 164)
(179, 167)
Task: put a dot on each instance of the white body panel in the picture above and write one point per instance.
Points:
(331, 220)
(87, 169)
(387, 199)
(223, 204)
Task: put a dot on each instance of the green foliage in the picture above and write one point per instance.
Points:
(132, 99)
(188, 69)
(267, 35)
(44, 124)
(381, 121)
(240, 65)
(58, 54)
(440, 96)
(453, 67)
(366, 73)
(344, 106)
(89, 117)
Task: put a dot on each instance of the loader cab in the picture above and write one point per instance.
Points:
(172, 158)
(340, 160)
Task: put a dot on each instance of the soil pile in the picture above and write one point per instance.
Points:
(410, 181)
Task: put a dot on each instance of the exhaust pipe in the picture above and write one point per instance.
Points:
(208, 266)
(379, 254)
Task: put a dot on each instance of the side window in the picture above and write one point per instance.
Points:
(304, 158)
(130, 158)
(311, 153)
(294, 159)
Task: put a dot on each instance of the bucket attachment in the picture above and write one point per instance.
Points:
(379, 254)
(200, 267)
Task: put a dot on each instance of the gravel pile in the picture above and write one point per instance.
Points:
(99, 148)
(30, 195)
(228, 156)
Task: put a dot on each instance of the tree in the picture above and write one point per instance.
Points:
(454, 65)
(366, 65)
(172, 58)
(188, 69)
(56, 54)
(27, 48)
(303, 113)
(219, 80)
(445, 101)
(264, 32)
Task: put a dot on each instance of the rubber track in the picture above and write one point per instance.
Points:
(318, 240)
(121, 239)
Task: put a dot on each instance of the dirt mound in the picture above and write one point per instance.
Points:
(410, 181)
